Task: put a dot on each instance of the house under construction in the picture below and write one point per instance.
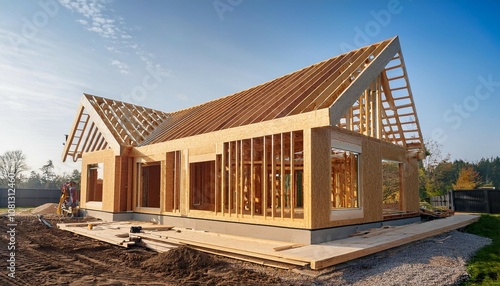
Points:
(307, 157)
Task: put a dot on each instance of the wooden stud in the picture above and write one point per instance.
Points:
(265, 176)
(252, 178)
(292, 191)
(282, 176)
(230, 182)
(273, 175)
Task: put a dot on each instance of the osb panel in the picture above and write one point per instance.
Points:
(411, 200)
(392, 152)
(106, 157)
(371, 178)
(319, 183)
(121, 183)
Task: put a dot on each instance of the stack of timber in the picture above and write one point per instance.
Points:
(435, 214)
(268, 252)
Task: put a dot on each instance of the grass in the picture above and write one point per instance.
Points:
(484, 267)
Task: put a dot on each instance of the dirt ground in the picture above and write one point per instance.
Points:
(50, 256)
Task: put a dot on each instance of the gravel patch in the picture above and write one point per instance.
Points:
(439, 260)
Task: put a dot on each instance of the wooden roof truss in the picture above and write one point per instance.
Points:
(385, 109)
(103, 123)
(366, 90)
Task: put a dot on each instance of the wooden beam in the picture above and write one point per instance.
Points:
(71, 135)
(351, 94)
(101, 125)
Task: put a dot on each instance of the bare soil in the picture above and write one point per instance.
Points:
(50, 256)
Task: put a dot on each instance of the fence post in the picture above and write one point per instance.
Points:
(451, 198)
(487, 200)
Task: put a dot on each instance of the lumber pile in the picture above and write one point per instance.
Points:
(267, 252)
(162, 238)
(435, 214)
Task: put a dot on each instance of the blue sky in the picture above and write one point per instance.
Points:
(53, 51)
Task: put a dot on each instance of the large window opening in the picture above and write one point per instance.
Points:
(344, 179)
(95, 179)
(262, 176)
(391, 186)
(150, 184)
(202, 176)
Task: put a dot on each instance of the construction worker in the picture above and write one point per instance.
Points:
(64, 200)
(73, 198)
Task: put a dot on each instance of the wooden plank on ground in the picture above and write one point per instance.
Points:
(104, 236)
(318, 256)
(338, 251)
(239, 251)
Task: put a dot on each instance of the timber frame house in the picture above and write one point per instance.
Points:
(300, 158)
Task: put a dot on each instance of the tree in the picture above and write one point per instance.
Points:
(434, 155)
(12, 164)
(390, 182)
(34, 181)
(468, 179)
(436, 173)
(76, 176)
(48, 175)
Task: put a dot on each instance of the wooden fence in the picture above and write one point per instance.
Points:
(474, 201)
(29, 197)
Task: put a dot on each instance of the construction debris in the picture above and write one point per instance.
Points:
(435, 214)
(42, 220)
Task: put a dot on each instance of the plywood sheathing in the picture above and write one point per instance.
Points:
(121, 183)
(372, 154)
(317, 176)
(411, 199)
(371, 177)
(370, 193)
(109, 193)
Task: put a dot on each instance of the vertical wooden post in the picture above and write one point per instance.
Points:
(282, 176)
(252, 178)
(348, 119)
(223, 177)
(367, 113)
(265, 177)
(237, 179)
(273, 176)
(378, 100)
(292, 175)
(242, 181)
(130, 186)
(185, 183)
(216, 182)
(230, 174)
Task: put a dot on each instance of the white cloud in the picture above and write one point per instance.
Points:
(82, 21)
(95, 11)
(100, 19)
(122, 67)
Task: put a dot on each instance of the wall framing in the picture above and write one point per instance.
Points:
(262, 156)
